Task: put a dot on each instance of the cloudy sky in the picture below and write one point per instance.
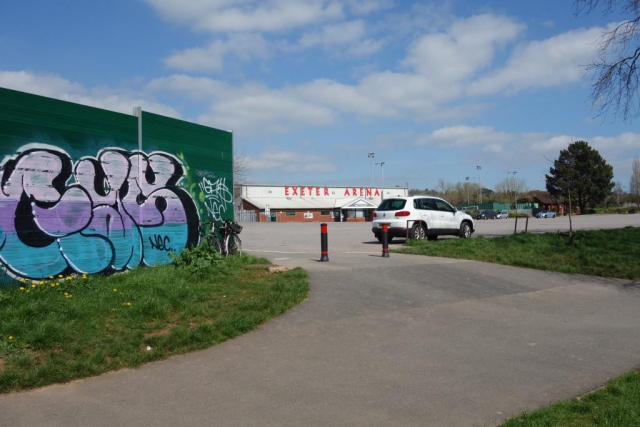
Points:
(309, 87)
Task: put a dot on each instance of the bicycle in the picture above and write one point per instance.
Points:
(226, 241)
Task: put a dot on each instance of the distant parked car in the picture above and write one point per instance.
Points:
(487, 214)
(546, 214)
(502, 214)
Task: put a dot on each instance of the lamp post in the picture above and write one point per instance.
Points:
(513, 184)
(382, 176)
(467, 185)
(371, 155)
(479, 168)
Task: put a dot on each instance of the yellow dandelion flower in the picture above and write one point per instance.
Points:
(53, 285)
(28, 291)
(22, 279)
(50, 277)
(42, 282)
(128, 304)
(66, 293)
(115, 289)
(10, 337)
(60, 275)
(22, 288)
(68, 278)
(33, 285)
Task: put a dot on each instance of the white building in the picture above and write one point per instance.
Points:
(300, 203)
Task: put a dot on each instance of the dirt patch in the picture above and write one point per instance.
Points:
(264, 266)
(1, 365)
(278, 269)
(158, 333)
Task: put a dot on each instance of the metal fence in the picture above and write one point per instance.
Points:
(245, 216)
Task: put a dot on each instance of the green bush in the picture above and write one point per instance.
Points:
(197, 258)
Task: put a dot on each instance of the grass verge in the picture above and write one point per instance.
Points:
(617, 404)
(605, 253)
(56, 330)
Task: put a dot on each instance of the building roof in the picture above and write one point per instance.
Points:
(546, 198)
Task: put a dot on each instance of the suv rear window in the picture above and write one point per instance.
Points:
(392, 205)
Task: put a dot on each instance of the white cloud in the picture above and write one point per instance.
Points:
(211, 57)
(344, 37)
(364, 7)
(463, 136)
(247, 15)
(334, 34)
(291, 162)
(57, 87)
(552, 62)
(466, 47)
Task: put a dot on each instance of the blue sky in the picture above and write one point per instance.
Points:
(434, 89)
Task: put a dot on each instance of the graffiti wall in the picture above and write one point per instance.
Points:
(77, 195)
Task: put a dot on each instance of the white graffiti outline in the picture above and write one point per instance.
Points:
(217, 197)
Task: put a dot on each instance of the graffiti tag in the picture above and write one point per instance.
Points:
(160, 243)
(217, 197)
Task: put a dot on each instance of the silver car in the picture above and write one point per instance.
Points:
(502, 214)
(546, 214)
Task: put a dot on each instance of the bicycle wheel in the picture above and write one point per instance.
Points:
(233, 244)
(213, 242)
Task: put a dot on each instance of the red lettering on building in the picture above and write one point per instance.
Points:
(317, 191)
(295, 190)
(368, 192)
(302, 191)
(286, 190)
(355, 192)
(326, 191)
(311, 191)
(361, 192)
(346, 192)
(377, 192)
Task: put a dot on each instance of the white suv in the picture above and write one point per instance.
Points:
(419, 217)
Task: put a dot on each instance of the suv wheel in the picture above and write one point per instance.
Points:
(417, 232)
(465, 230)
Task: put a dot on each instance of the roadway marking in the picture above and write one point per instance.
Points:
(274, 252)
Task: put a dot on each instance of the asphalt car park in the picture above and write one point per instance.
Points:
(288, 239)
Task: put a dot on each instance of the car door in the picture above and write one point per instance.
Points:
(429, 213)
(446, 214)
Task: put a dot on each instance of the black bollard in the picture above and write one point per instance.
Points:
(324, 243)
(385, 241)
(515, 228)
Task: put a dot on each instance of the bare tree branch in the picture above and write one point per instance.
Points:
(616, 77)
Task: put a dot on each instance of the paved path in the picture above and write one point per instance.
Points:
(404, 341)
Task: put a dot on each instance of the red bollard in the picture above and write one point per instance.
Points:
(385, 241)
(324, 243)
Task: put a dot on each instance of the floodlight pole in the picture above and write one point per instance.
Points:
(371, 155)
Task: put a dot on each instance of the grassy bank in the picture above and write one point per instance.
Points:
(58, 329)
(606, 253)
(617, 404)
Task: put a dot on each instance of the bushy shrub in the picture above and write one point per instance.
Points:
(196, 258)
(632, 210)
